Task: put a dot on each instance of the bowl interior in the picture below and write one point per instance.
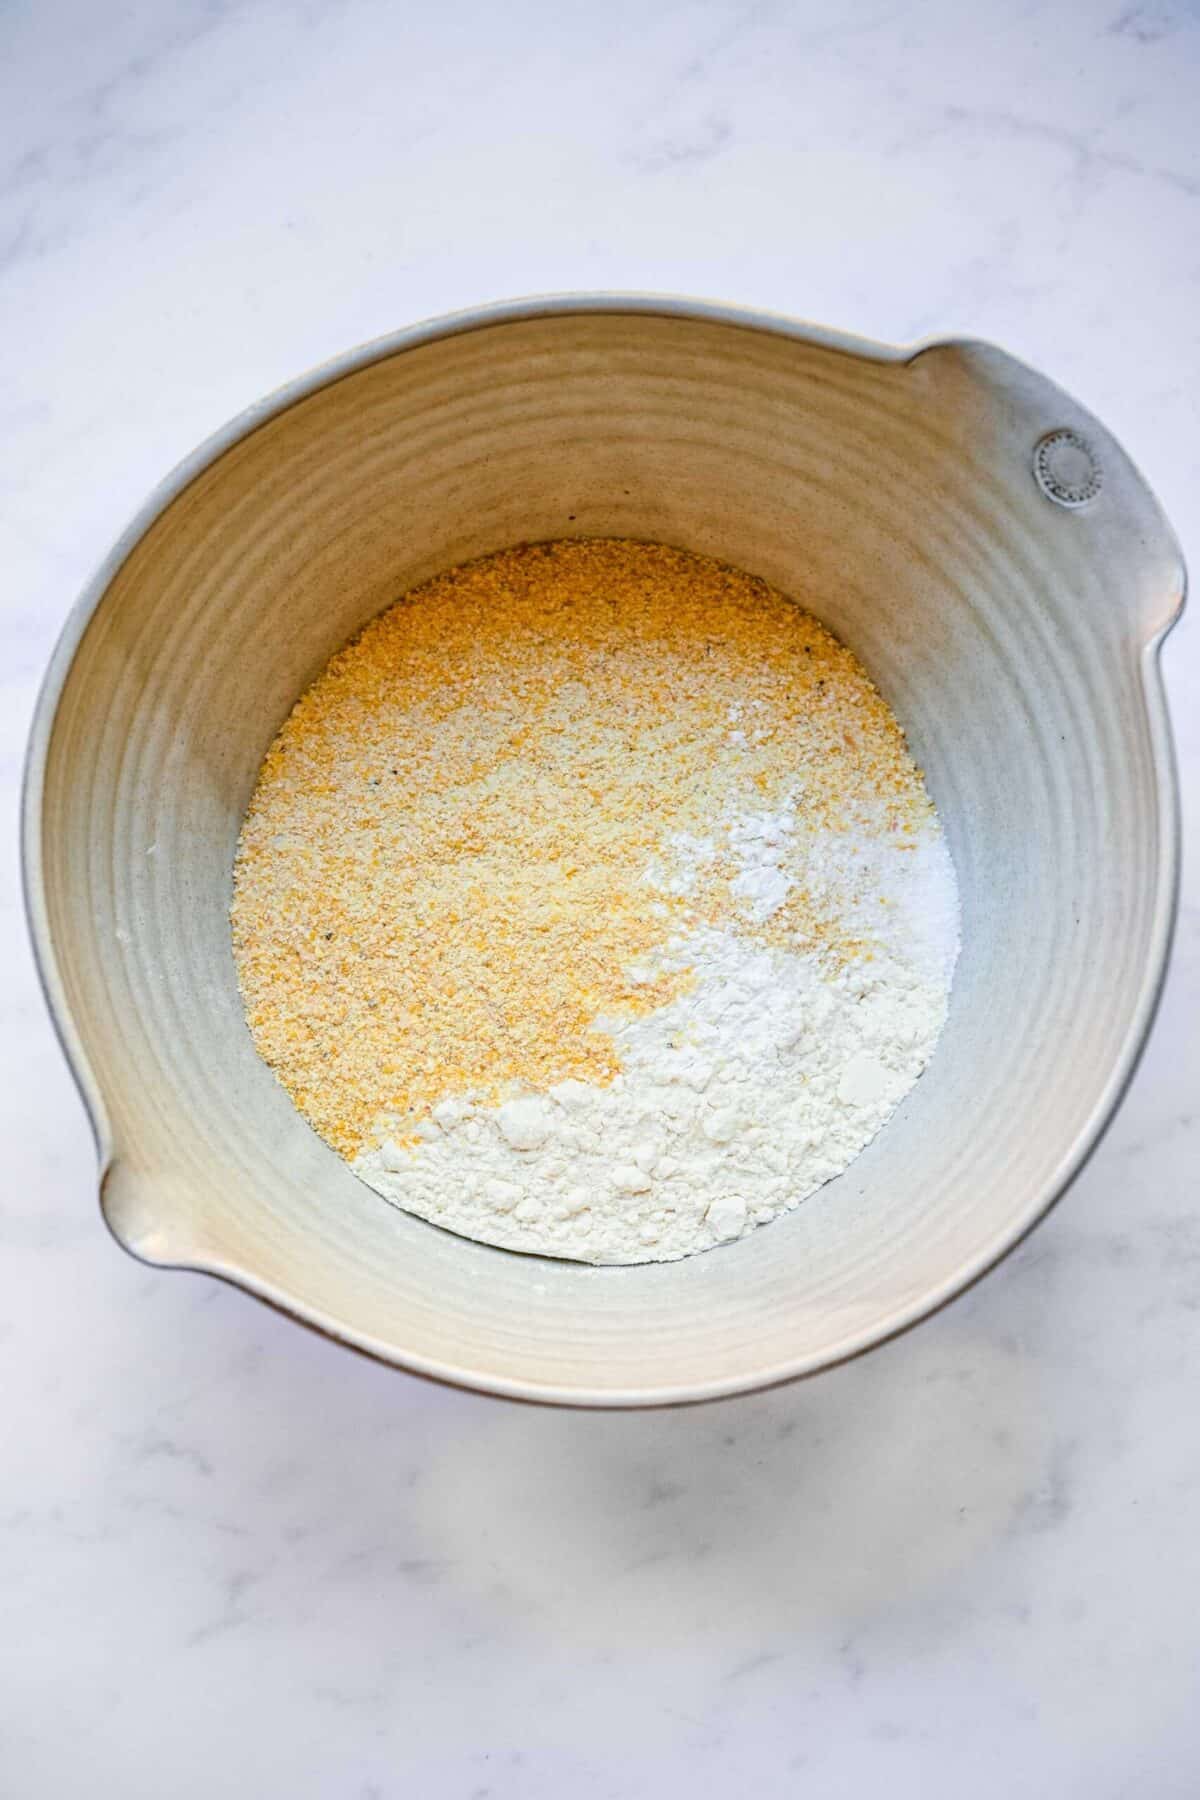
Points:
(893, 498)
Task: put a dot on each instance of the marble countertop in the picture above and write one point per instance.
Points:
(236, 1559)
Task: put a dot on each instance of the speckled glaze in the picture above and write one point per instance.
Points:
(893, 491)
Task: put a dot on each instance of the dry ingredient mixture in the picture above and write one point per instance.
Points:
(589, 903)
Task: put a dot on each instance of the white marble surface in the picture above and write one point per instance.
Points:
(235, 1559)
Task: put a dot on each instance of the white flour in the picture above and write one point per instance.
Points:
(738, 1099)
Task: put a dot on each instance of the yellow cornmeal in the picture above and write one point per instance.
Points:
(442, 880)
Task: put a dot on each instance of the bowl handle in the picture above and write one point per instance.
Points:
(1063, 472)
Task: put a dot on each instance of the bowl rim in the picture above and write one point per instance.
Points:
(455, 324)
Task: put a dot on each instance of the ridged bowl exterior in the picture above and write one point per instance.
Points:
(890, 491)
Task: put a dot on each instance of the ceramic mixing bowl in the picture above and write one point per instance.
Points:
(976, 537)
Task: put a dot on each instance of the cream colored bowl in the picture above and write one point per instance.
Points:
(1009, 599)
